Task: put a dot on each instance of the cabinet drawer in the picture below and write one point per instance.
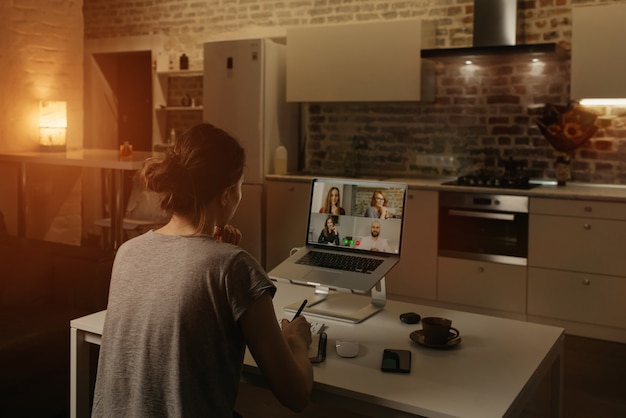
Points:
(481, 284)
(579, 297)
(577, 244)
(579, 208)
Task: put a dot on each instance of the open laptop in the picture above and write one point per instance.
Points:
(376, 241)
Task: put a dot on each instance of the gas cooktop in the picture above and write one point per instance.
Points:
(502, 182)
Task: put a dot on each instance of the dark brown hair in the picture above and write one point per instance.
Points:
(325, 229)
(203, 162)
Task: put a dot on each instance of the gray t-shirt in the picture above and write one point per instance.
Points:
(171, 345)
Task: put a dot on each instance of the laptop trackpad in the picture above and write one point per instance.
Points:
(317, 276)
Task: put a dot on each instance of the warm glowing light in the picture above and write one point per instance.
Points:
(535, 60)
(52, 125)
(603, 102)
(468, 62)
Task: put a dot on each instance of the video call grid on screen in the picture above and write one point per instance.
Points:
(355, 226)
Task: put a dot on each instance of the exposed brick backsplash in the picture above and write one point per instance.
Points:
(479, 118)
(482, 116)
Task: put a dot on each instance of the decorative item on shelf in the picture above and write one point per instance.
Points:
(126, 151)
(52, 126)
(280, 159)
(566, 128)
(186, 100)
(172, 137)
(184, 62)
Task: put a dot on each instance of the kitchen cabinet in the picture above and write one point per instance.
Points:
(364, 62)
(577, 269)
(578, 235)
(581, 297)
(286, 215)
(177, 99)
(480, 284)
(414, 278)
(598, 59)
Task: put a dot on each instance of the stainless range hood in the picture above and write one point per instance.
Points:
(495, 31)
(495, 22)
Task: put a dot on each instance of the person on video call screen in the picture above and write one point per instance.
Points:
(329, 234)
(332, 204)
(378, 206)
(374, 242)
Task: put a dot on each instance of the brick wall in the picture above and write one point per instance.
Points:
(41, 44)
(481, 116)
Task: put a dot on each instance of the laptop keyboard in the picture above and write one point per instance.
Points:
(339, 261)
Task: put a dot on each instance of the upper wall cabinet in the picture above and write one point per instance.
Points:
(598, 58)
(366, 62)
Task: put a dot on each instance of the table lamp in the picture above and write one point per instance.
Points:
(52, 126)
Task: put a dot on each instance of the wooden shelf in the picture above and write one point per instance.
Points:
(180, 73)
(180, 108)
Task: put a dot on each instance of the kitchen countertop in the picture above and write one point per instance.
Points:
(548, 189)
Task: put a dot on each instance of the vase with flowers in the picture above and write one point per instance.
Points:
(566, 128)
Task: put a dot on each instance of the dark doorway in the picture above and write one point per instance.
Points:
(127, 101)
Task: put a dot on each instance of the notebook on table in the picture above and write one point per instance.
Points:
(369, 237)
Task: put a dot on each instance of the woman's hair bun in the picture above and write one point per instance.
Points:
(203, 162)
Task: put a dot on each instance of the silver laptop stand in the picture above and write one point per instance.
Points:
(344, 305)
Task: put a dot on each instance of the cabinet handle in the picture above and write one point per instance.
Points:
(587, 209)
(587, 227)
(586, 282)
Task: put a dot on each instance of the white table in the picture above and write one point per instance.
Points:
(491, 373)
(95, 158)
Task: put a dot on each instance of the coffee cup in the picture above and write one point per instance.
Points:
(438, 331)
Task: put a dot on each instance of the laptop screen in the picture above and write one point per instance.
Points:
(356, 215)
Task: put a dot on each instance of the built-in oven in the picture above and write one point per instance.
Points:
(481, 226)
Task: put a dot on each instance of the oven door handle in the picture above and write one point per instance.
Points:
(483, 215)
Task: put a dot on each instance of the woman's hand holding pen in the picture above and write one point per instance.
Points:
(298, 329)
(227, 233)
(297, 332)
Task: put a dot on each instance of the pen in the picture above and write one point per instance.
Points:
(300, 309)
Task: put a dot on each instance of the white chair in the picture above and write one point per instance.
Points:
(143, 212)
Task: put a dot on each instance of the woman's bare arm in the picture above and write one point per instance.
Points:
(282, 355)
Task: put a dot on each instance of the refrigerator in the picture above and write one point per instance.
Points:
(244, 94)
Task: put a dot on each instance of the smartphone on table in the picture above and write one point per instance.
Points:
(396, 361)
